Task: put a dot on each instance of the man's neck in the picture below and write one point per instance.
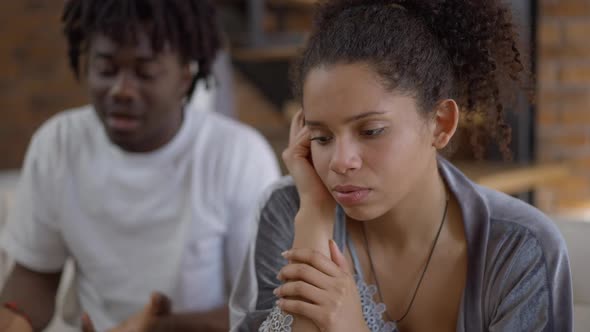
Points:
(162, 138)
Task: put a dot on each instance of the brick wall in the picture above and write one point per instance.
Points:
(564, 99)
(35, 81)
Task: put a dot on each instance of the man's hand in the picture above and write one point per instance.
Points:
(144, 321)
(11, 322)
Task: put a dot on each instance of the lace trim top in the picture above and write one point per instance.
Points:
(279, 321)
(373, 311)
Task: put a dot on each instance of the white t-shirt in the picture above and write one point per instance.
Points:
(176, 220)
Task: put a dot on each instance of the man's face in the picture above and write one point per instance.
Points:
(137, 93)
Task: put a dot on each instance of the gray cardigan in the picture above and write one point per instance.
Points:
(518, 276)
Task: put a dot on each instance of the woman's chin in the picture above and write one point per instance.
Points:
(362, 213)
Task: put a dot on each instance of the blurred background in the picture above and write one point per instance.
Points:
(551, 144)
(551, 135)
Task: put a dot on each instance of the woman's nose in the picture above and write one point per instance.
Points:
(345, 158)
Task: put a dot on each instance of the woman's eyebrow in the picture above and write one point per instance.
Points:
(353, 118)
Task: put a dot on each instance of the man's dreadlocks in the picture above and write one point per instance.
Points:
(187, 26)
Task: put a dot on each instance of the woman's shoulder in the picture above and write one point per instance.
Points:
(279, 205)
(525, 250)
(526, 261)
(498, 216)
(281, 194)
(505, 232)
(275, 227)
(509, 216)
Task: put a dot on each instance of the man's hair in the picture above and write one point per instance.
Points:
(187, 26)
(430, 49)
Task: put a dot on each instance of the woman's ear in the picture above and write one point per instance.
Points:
(446, 120)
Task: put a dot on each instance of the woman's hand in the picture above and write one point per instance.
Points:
(315, 198)
(322, 290)
(144, 321)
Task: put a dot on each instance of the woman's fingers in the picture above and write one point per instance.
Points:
(303, 291)
(315, 259)
(299, 147)
(296, 126)
(338, 257)
(306, 273)
(299, 143)
(300, 308)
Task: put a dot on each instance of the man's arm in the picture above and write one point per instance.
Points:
(156, 316)
(33, 292)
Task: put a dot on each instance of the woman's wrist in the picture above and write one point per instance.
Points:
(322, 221)
(310, 211)
(313, 230)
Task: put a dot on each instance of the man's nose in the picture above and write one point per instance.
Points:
(124, 88)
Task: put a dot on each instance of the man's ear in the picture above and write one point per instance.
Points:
(189, 71)
(446, 120)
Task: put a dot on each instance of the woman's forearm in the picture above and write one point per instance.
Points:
(313, 231)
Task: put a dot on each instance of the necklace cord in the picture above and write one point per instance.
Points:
(444, 217)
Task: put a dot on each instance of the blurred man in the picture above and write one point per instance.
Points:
(144, 194)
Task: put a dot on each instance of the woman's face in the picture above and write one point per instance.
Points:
(370, 146)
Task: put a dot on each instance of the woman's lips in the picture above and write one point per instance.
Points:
(350, 195)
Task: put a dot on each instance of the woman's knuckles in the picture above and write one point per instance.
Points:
(292, 288)
(295, 271)
(302, 270)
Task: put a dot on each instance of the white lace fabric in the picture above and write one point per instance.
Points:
(279, 321)
(372, 311)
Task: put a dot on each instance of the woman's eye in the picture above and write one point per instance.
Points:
(322, 140)
(373, 132)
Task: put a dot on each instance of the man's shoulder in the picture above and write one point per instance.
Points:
(229, 153)
(66, 129)
(230, 147)
(225, 130)
(68, 123)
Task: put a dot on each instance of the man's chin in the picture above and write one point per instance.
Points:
(125, 140)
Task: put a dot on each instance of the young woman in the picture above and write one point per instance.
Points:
(416, 245)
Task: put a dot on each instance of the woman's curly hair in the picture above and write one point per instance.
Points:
(187, 26)
(430, 49)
